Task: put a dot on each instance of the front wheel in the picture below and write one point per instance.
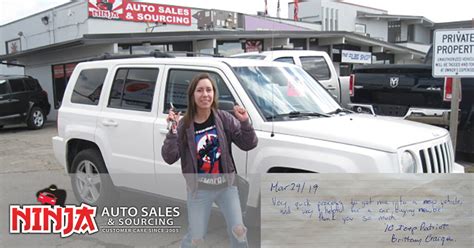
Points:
(90, 180)
(36, 118)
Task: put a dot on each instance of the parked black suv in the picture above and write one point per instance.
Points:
(22, 100)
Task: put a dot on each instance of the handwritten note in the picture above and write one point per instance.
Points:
(360, 210)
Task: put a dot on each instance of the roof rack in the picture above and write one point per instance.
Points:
(196, 54)
(155, 54)
(282, 47)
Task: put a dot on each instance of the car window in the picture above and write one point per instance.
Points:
(316, 66)
(177, 87)
(17, 85)
(32, 84)
(3, 87)
(133, 89)
(88, 86)
(289, 60)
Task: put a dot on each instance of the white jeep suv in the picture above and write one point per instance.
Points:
(113, 121)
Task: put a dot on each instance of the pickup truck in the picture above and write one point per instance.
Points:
(409, 91)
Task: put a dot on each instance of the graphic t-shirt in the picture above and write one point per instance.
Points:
(208, 154)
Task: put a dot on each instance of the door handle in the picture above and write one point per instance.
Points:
(109, 123)
(330, 87)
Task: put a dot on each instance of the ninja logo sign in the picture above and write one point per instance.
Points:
(53, 216)
(107, 9)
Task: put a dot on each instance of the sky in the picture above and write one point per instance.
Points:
(434, 10)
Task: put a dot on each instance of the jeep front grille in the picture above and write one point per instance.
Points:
(437, 158)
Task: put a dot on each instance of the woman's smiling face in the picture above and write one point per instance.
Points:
(204, 94)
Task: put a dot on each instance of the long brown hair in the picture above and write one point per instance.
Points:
(191, 110)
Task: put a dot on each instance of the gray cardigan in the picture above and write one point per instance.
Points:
(229, 130)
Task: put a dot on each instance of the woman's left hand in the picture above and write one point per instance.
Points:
(241, 113)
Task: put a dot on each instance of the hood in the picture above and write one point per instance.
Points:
(375, 132)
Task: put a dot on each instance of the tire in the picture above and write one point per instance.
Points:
(36, 118)
(90, 180)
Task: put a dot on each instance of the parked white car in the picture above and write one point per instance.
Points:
(113, 120)
(317, 63)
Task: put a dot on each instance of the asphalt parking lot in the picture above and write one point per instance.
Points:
(28, 165)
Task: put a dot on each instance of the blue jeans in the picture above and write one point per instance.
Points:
(199, 211)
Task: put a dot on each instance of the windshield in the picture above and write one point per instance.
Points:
(285, 90)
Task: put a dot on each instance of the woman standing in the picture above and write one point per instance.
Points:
(203, 141)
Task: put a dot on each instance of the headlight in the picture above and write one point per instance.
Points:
(408, 162)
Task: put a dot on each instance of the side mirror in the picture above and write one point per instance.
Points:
(227, 106)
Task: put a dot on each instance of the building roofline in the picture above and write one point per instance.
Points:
(138, 38)
(28, 52)
(361, 14)
(358, 5)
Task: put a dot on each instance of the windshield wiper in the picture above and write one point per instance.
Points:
(340, 110)
(296, 114)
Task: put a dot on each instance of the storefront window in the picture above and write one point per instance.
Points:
(228, 48)
(360, 28)
(124, 49)
(61, 75)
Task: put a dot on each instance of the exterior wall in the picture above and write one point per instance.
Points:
(337, 16)
(44, 75)
(257, 23)
(66, 22)
(376, 29)
(309, 11)
(422, 34)
(12, 70)
(103, 26)
(404, 31)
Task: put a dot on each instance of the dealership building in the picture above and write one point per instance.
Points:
(48, 45)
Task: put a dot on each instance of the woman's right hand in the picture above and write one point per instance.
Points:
(173, 118)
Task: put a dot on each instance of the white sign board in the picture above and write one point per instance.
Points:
(453, 53)
(356, 57)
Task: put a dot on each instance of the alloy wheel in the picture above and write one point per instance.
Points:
(88, 181)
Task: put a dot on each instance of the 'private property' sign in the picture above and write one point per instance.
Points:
(453, 53)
